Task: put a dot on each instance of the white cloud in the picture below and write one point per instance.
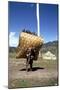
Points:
(13, 39)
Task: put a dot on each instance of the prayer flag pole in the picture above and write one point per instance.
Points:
(38, 23)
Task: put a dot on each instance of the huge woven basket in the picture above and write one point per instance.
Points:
(26, 41)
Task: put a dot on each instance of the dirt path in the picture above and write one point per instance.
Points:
(17, 70)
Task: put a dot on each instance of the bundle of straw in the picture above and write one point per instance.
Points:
(26, 41)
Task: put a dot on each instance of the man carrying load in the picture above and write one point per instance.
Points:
(30, 57)
(28, 47)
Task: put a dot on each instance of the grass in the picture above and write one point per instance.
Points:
(12, 55)
(50, 65)
(23, 83)
(19, 83)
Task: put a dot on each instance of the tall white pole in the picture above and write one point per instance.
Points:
(38, 23)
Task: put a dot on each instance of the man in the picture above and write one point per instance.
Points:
(30, 56)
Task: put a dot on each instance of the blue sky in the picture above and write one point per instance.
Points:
(23, 15)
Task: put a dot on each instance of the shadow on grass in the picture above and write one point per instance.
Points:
(33, 69)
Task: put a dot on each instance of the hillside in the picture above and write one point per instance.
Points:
(50, 46)
(12, 49)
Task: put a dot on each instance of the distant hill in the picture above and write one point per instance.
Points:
(12, 49)
(50, 46)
